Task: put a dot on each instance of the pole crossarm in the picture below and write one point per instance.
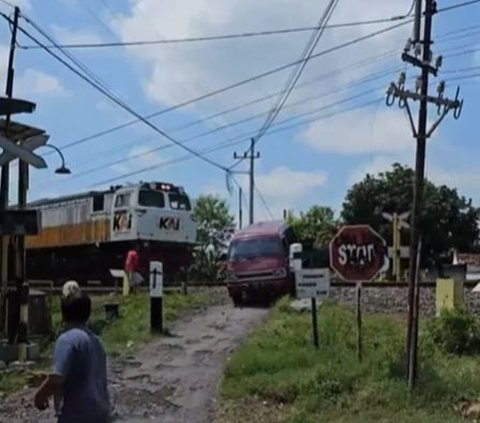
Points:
(415, 61)
(444, 105)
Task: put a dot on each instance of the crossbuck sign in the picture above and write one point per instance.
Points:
(24, 151)
(312, 283)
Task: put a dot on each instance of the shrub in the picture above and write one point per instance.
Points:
(457, 331)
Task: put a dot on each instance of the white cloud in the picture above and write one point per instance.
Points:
(374, 166)
(77, 36)
(466, 180)
(177, 72)
(34, 82)
(286, 185)
(363, 131)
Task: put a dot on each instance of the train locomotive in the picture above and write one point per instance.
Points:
(83, 236)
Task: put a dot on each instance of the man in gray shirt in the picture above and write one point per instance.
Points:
(79, 375)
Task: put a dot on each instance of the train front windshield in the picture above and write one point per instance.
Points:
(151, 198)
(179, 202)
(247, 249)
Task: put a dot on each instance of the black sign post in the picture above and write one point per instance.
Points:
(314, 323)
(313, 284)
(156, 297)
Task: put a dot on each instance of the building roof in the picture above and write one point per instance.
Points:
(20, 131)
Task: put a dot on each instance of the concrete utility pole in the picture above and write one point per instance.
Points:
(251, 156)
(444, 105)
(240, 207)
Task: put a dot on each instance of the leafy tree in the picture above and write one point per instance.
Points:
(316, 227)
(448, 220)
(214, 228)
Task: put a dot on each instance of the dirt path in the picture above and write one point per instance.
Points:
(172, 379)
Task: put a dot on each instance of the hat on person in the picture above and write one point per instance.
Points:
(70, 288)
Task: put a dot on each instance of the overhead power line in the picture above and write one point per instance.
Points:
(110, 96)
(99, 165)
(349, 67)
(325, 76)
(233, 86)
(247, 136)
(458, 5)
(241, 83)
(239, 140)
(242, 137)
(305, 57)
(251, 34)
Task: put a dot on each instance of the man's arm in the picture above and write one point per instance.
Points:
(62, 358)
(51, 385)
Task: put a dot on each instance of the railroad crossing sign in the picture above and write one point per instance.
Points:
(401, 219)
(397, 252)
(357, 253)
(24, 152)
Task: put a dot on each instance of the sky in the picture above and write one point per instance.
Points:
(334, 128)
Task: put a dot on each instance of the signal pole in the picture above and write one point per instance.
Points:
(251, 155)
(444, 105)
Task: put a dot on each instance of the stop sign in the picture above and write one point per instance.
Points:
(357, 253)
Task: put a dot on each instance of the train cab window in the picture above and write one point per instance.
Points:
(151, 198)
(98, 203)
(179, 202)
(122, 200)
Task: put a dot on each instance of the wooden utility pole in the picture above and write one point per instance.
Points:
(5, 181)
(251, 155)
(444, 105)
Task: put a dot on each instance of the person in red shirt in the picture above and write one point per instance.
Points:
(131, 264)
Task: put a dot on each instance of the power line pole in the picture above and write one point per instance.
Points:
(5, 181)
(444, 105)
(240, 207)
(251, 155)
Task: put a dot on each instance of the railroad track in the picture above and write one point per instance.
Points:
(95, 289)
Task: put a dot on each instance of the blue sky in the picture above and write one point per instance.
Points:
(310, 163)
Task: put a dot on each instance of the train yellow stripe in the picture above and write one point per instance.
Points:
(71, 235)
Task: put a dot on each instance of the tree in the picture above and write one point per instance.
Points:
(214, 228)
(448, 220)
(316, 227)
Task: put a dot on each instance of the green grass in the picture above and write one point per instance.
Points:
(120, 336)
(278, 368)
